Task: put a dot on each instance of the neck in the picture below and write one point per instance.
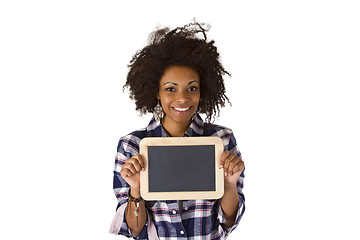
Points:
(175, 129)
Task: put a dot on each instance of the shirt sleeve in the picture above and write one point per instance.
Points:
(127, 147)
(230, 145)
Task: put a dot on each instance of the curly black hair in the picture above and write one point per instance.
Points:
(181, 46)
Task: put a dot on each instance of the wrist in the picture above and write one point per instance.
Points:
(135, 192)
(229, 186)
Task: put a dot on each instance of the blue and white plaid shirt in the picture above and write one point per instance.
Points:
(199, 219)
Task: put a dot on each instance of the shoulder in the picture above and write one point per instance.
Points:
(226, 134)
(130, 142)
(218, 130)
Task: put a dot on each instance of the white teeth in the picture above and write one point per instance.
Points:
(182, 109)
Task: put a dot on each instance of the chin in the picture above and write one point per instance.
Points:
(180, 119)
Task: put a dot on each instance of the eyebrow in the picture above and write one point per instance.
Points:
(177, 84)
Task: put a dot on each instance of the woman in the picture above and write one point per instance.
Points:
(176, 77)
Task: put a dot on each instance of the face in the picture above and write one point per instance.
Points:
(179, 94)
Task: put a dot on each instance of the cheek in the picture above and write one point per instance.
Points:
(164, 101)
(197, 99)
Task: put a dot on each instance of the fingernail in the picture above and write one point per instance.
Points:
(143, 169)
(221, 166)
(226, 174)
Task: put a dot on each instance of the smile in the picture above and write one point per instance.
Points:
(182, 109)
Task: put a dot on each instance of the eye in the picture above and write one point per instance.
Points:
(170, 89)
(192, 89)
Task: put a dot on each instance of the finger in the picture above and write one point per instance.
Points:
(130, 167)
(125, 173)
(238, 168)
(136, 164)
(228, 160)
(140, 160)
(235, 166)
(235, 161)
(224, 155)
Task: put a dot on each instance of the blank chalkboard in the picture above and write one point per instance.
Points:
(188, 168)
(181, 168)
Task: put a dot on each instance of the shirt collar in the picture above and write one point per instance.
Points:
(196, 128)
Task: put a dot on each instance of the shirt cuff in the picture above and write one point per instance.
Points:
(240, 212)
(119, 225)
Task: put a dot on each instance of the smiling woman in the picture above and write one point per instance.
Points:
(182, 46)
(176, 77)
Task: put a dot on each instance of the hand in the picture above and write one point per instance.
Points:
(130, 171)
(232, 165)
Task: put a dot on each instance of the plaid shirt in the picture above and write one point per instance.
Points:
(197, 219)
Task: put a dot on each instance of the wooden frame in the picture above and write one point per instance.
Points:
(182, 141)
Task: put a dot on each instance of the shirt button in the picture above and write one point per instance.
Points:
(182, 232)
(186, 208)
(174, 212)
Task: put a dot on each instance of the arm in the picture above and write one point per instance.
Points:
(233, 167)
(125, 221)
(229, 204)
(130, 172)
(135, 223)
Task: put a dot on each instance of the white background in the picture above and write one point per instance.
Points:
(295, 111)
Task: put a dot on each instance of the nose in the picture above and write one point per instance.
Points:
(182, 96)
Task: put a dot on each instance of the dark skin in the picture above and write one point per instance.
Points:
(179, 95)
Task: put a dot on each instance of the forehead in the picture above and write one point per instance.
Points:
(179, 74)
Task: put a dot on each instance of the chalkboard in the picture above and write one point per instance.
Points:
(181, 168)
(188, 168)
